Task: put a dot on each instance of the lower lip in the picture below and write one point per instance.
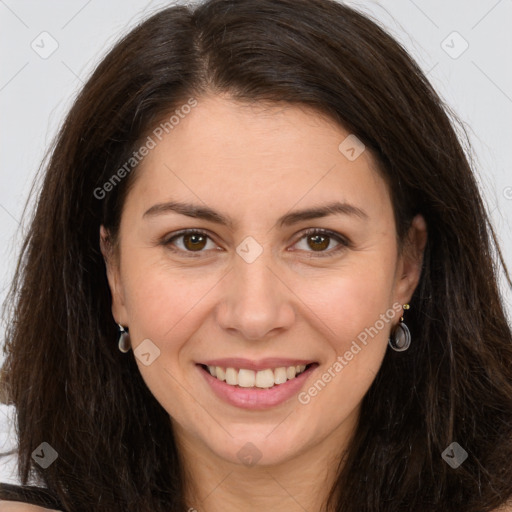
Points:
(257, 398)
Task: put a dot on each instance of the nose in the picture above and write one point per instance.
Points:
(257, 303)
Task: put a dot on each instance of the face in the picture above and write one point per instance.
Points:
(254, 286)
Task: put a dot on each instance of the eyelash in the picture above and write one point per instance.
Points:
(344, 243)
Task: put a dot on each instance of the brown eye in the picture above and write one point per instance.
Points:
(189, 242)
(194, 242)
(318, 240)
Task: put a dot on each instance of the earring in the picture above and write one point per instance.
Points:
(124, 339)
(400, 339)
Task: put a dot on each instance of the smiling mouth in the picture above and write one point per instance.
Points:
(264, 379)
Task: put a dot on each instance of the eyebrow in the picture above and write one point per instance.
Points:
(288, 219)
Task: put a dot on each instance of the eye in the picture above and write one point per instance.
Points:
(195, 240)
(320, 239)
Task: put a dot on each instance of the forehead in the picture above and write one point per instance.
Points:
(256, 157)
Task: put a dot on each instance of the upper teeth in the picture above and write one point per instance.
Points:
(260, 379)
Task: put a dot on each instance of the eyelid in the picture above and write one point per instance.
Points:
(343, 241)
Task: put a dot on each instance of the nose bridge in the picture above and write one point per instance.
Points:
(256, 301)
(254, 277)
(253, 262)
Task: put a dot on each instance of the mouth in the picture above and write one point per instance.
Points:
(263, 379)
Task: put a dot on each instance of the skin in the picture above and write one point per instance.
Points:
(15, 506)
(255, 163)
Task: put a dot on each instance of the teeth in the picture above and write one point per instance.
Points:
(219, 373)
(280, 375)
(246, 378)
(231, 376)
(260, 379)
(264, 379)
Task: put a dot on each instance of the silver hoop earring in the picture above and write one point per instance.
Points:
(400, 339)
(124, 339)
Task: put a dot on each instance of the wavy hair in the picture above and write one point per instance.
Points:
(71, 386)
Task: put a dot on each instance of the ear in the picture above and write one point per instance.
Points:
(114, 278)
(409, 265)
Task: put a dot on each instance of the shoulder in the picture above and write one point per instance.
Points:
(18, 506)
(27, 498)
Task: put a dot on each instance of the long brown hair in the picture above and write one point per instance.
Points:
(73, 389)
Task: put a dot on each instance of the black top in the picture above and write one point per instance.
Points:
(30, 494)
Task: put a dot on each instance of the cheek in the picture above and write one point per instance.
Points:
(166, 306)
(351, 299)
(354, 315)
(160, 300)
(356, 318)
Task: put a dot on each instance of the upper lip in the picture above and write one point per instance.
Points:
(261, 364)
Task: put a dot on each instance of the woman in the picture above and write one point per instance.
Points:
(260, 275)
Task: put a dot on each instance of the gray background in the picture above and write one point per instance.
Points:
(37, 88)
